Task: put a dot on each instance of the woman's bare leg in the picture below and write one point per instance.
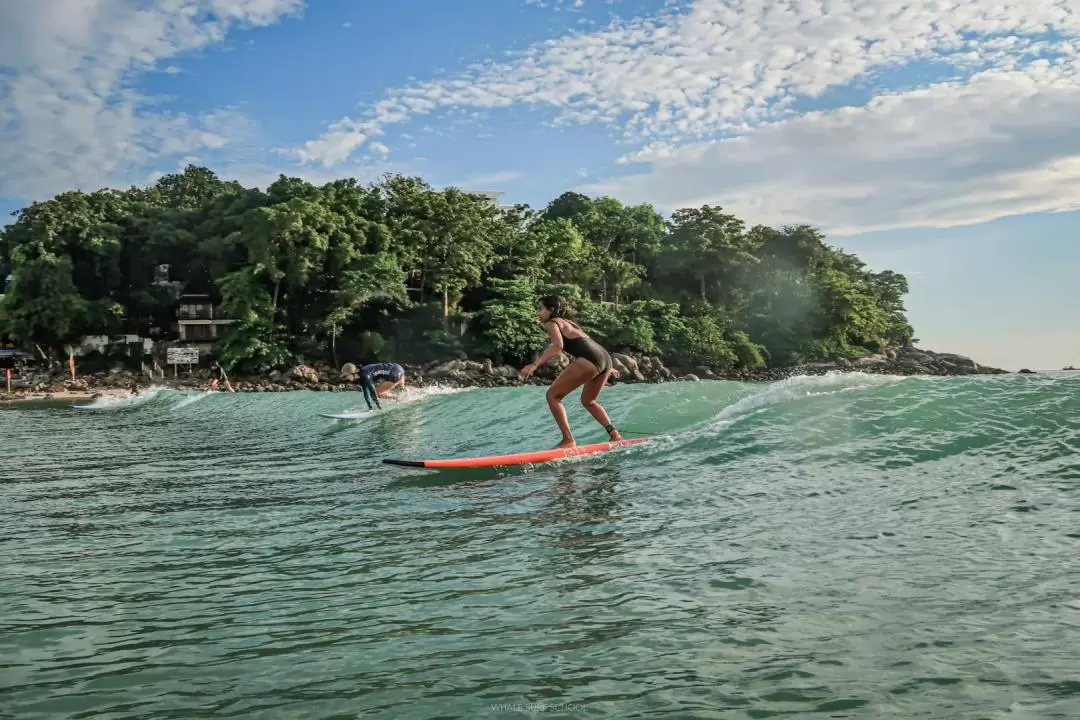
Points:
(576, 374)
(589, 393)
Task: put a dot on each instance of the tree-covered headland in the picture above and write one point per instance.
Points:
(397, 270)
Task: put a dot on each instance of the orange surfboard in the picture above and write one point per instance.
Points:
(525, 458)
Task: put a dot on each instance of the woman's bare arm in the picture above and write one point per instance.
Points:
(553, 349)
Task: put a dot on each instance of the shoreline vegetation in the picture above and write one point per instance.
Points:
(299, 279)
(51, 389)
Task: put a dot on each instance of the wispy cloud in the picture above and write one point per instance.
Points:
(733, 103)
(69, 112)
(557, 4)
(244, 158)
(713, 99)
(952, 154)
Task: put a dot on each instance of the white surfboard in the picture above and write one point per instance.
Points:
(356, 415)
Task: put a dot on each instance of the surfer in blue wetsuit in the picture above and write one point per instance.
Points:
(590, 369)
(351, 373)
(387, 375)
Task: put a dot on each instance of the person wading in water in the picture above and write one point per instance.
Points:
(590, 369)
(217, 373)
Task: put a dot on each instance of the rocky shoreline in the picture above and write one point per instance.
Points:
(467, 373)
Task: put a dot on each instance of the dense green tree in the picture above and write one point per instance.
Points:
(709, 250)
(451, 236)
(42, 303)
(619, 237)
(542, 251)
(508, 321)
(70, 245)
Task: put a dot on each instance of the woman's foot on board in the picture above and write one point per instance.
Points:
(613, 433)
(566, 443)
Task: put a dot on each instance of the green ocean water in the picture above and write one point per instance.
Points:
(846, 546)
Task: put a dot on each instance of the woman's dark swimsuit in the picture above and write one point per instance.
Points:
(588, 349)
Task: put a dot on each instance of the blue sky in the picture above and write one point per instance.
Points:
(935, 140)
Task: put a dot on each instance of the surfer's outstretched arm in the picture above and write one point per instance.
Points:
(554, 348)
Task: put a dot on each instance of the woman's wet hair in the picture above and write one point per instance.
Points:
(558, 307)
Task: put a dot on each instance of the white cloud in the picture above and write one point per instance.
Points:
(244, 158)
(69, 114)
(952, 154)
(335, 146)
(558, 5)
(943, 153)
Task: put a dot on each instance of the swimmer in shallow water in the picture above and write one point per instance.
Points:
(590, 369)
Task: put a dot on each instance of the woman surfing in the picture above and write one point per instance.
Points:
(590, 369)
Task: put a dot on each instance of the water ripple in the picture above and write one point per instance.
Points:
(845, 546)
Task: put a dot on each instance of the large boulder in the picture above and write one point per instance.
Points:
(958, 360)
(305, 373)
(652, 368)
(872, 360)
(627, 367)
(559, 363)
(447, 369)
